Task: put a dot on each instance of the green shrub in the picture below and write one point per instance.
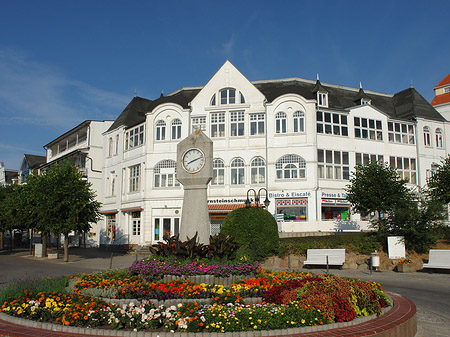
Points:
(361, 243)
(255, 230)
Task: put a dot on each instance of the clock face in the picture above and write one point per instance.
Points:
(193, 160)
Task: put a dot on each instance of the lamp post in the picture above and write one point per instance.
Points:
(257, 198)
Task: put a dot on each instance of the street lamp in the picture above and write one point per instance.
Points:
(257, 198)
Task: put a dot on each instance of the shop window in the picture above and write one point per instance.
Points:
(292, 209)
(335, 209)
(165, 227)
(111, 226)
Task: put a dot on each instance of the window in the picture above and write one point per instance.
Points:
(111, 226)
(299, 121)
(406, 168)
(160, 130)
(291, 166)
(368, 128)
(112, 184)
(439, 138)
(135, 175)
(170, 227)
(335, 209)
(242, 97)
(365, 158)
(322, 99)
(401, 133)
(280, 122)
(213, 100)
(227, 96)
(333, 165)
(117, 145)
(292, 209)
(332, 123)
(136, 222)
(165, 174)
(431, 171)
(176, 129)
(198, 123)
(134, 137)
(446, 90)
(426, 136)
(218, 124)
(237, 172)
(237, 123)
(365, 101)
(218, 172)
(258, 171)
(257, 122)
(110, 147)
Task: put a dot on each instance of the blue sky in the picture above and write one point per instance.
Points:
(63, 62)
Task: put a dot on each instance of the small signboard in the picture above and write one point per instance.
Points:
(396, 247)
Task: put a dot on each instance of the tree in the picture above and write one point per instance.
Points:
(439, 182)
(64, 202)
(376, 187)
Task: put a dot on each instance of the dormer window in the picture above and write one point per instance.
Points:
(446, 90)
(322, 99)
(365, 100)
(228, 96)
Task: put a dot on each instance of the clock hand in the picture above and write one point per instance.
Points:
(194, 160)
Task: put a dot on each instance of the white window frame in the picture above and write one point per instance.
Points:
(402, 133)
(227, 96)
(237, 171)
(218, 172)
(367, 128)
(134, 137)
(426, 136)
(329, 123)
(176, 129)
(136, 223)
(322, 99)
(237, 123)
(290, 167)
(406, 167)
(257, 124)
(280, 122)
(258, 171)
(134, 178)
(439, 138)
(198, 123)
(165, 174)
(333, 164)
(299, 121)
(217, 124)
(160, 133)
(366, 158)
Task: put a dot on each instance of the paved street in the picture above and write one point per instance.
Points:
(429, 291)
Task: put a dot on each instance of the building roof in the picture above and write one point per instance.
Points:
(10, 175)
(445, 81)
(34, 161)
(441, 99)
(405, 105)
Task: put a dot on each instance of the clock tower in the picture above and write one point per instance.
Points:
(194, 172)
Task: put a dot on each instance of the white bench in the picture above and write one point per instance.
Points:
(331, 257)
(438, 258)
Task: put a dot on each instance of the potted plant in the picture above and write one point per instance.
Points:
(406, 266)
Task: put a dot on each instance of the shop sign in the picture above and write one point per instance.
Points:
(295, 194)
(338, 195)
(328, 201)
(227, 201)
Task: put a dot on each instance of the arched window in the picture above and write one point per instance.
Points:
(237, 172)
(176, 129)
(291, 166)
(426, 136)
(439, 138)
(299, 121)
(218, 172)
(280, 122)
(258, 171)
(165, 174)
(228, 96)
(213, 100)
(160, 130)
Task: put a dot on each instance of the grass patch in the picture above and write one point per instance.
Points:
(360, 243)
(18, 287)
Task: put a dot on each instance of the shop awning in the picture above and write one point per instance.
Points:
(113, 211)
(133, 209)
(222, 208)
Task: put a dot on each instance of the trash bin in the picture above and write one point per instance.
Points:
(38, 250)
(375, 260)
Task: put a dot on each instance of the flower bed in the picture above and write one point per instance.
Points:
(289, 300)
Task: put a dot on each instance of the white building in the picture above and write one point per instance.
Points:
(298, 139)
(83, 145)
(441, 102)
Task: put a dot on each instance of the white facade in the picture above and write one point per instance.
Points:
(84, 146)
(296, 138)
